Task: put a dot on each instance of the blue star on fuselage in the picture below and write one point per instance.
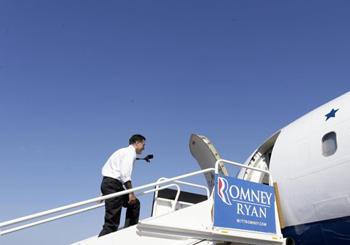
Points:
(331, 114)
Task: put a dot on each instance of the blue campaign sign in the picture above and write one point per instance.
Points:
(244, 205)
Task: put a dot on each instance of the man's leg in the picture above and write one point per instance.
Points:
(132, 212)
(113, 206)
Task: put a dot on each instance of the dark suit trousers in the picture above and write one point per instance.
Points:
(113, 207)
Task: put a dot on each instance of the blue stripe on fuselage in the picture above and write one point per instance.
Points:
(327, 232)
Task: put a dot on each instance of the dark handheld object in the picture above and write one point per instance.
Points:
(146, 158)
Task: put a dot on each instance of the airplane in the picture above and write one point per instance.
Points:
(308, 160)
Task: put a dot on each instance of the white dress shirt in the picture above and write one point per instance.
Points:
(119, 166)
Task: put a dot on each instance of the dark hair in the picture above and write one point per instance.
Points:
(136, 138)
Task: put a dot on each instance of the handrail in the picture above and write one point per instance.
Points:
(50, 219)
(176, 197)
(242, 166)
(81, 211)
(165, 187)
(97, 199)
(189, 184)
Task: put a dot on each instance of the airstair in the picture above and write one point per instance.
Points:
(233, 211)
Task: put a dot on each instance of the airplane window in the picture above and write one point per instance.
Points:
(329, 144)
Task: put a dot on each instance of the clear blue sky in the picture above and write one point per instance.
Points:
(78, 78)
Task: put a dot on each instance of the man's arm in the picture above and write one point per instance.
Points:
(132, 197)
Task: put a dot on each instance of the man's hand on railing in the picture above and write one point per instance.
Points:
(132, 199)
(101, 201)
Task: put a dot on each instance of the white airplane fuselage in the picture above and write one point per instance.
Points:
(310, 161)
